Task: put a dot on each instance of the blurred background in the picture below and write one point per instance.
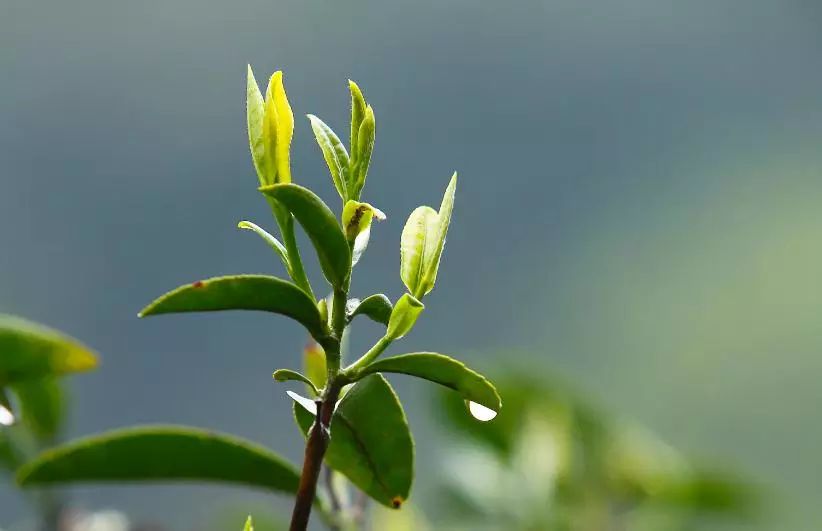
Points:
(638, 213)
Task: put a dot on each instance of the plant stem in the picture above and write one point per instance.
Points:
(315, 448)
(367, 358)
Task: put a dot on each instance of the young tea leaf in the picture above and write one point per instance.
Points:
(423, 239)
(403, 316)
(357, 115)
(321, 226)
(30, 351)
(371, 443)
(255, 114)
(365, 146)
(161, 453)
(249, 525)
(334, 153)
(279, 126)
(242, 292)
(444, 371)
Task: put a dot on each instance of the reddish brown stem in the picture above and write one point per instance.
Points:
(315, 448)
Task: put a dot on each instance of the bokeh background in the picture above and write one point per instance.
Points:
(639, 210)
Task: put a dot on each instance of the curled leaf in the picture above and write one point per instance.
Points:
(273, 242)
(284, 375)
(376, 307)
(255, 115)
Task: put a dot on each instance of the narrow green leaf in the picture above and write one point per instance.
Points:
(403, 316)
(249, 525)
(321, 226)
(365, 146)
(423, 239)
(255, 114)
(357, 114)
(275, 244)
(371, 443)
(284, 375)
(334, 153)
(443, 370)
(29, 351)
(376, 307)
(161, 453)
(242, 292)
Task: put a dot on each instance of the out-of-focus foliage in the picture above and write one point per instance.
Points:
(551, 461)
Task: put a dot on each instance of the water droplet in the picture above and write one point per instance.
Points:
(6, 417)
(307, 403)
(480, 412)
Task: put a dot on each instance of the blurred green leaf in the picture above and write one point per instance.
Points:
(242, 292)
(249, 525)
(314, 364)
(29, 351)
(321, 226)
(443, 370)
(423, 239)
(334, 154)
(161, 453)
(403, 316)
(371, 443)
(42, 406)
(284, 375)
(376, 307)
(273, 242)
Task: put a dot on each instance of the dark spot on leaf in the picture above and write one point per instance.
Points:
(198, 284)
(396, 502)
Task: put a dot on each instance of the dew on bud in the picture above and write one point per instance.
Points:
(480, 412)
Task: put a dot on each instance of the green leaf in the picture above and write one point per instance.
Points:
(403, 316)
(365, 146)
(334, 154)
(423, 239)
(275, 244)
(444, 371)
(255, 114)
(29, 351)
(161, 453)
(249, 525)
(376, 307)
(242, 292)
(284, 375)
(371, 443)
(321, 226)
(42, 406)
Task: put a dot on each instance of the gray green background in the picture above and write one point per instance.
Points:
(639, 209)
